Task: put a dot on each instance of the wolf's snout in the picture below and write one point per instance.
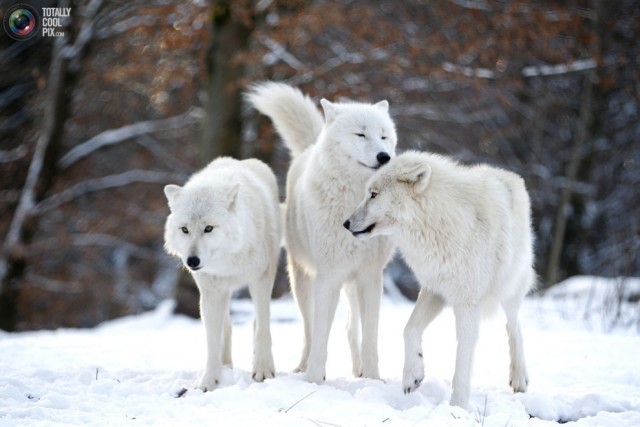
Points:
(193, 262)
(383, 157)
(347, 224)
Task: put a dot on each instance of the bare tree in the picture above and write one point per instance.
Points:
(231, 27)
(577, 154)
(42, 170)
(43, 194)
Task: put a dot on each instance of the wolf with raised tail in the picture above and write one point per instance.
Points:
(466, 234)
(333, 157)
(225, 226)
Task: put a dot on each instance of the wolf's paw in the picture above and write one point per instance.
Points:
(459, 401)
(260, 376)
(518, 380)
(209, 381)
(374, 374)
(302, 366)
(263, 368)
(314, 376)
(263, 372)
(409, 385)
(413, 374)
(356, 370)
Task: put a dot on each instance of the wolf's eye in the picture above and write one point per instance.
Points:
(373, 194)
(361, 135)
(208, 229)
(383, 137)
(185, 230)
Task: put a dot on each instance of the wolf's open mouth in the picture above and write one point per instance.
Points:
(366, 230)
(370, 167)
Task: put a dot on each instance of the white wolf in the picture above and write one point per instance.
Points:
(332, 160)
(225, 226)
(466, 234)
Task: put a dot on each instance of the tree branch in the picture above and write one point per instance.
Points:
(105, 183)
(472, 4)
(531, 71)
(482, 73)
(453, 115)
(114, 136)
(7, 156)
(75, 51)
(107, 240)
(280, 52)
(554, 70)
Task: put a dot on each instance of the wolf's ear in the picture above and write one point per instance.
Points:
(232, 196)
(383, 105)
(172, 191)
(418, 177)
(329, 109)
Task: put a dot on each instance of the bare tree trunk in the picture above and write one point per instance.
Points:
(577, 153)
(222, 125)
(42, 170)
(39, 179)
(580, 154)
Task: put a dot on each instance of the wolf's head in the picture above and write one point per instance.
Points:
(404, 179)
(362, 134)
(202, 224)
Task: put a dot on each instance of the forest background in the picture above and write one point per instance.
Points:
(139, 94)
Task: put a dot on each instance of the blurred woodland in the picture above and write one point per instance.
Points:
(139, 94)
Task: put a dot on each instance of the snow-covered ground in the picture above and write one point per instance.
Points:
(131, 371)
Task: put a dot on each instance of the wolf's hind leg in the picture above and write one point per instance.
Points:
(518, 376)
(301, 286)
(369, 296)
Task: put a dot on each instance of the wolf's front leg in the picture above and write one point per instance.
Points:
(467, 330)
(226, 347)
(214, 308)
(326, 295)
(263, 366)
(427, 307)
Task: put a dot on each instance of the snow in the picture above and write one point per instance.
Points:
(584, 371)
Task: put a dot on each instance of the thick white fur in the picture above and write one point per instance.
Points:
(466, 234)
(298, 120)
(239, 199)
(332, 160)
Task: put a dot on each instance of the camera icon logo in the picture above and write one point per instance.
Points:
(21, 22)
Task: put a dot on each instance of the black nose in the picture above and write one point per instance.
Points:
(347, 224)
(383, 157)
(193, 261)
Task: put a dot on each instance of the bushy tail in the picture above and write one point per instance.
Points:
(295, 117)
